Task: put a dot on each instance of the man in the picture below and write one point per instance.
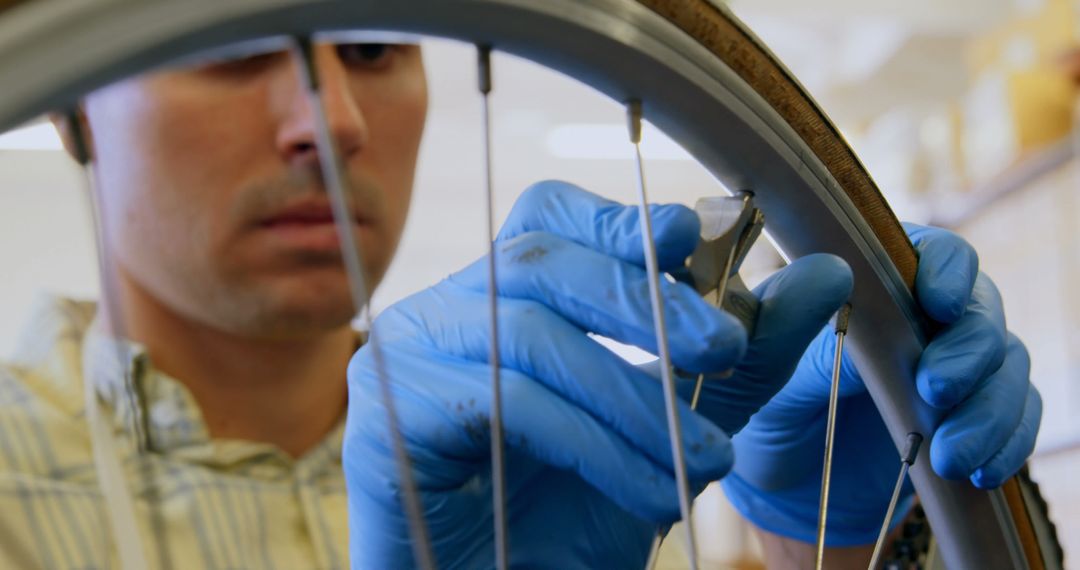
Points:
(236, 302)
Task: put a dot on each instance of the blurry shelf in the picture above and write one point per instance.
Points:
(1016, 178)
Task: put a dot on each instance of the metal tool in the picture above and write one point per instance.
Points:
(729, 227)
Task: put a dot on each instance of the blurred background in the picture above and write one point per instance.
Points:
(964, 111)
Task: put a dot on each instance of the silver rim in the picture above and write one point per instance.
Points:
(618, 47)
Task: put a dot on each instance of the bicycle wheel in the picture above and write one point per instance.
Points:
(701, 76)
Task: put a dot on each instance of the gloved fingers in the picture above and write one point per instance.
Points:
(782, 445)
(796, 303)
(558, 433)
(444, 400)
(445, 413)
(540, 344)
(785, 460)
(807, 393)
(778, 451)
(983, 423)
(794, 413)
(607, 296)
(1009, 459)
(444, 409)
(966, 352)
(436, 399)
(568, 211)
(948, 267)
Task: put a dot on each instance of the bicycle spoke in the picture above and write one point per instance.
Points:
(730, 234)
(654, 551)
(911, 450)
(498, 456)
(109, 288)
(658, 540)
(697, 391)
(335, 183)
(842, 318)
(666, 371)
(107, 463)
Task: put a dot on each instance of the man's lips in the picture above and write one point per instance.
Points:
(308, 226)
(307, 213)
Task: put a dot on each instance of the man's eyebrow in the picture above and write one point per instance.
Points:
(369, 37)
(234, 51)
(273, 44)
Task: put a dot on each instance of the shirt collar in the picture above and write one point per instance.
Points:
(157, 412)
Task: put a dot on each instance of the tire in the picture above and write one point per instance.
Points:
(702, 77)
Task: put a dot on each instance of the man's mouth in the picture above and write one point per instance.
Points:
(309, 225)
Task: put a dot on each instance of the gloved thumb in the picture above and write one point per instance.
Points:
(796, 303)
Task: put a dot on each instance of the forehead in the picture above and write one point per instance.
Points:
(220, 77)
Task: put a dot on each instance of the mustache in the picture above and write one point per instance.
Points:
(265, 198)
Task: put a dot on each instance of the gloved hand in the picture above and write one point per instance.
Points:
(973, 367)
(589, 469)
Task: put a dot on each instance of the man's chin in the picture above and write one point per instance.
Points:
(304, 321)
(293, 305)
(285, 318)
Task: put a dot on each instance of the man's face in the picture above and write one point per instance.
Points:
(214, 205)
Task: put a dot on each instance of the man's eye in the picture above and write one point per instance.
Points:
(370, 56)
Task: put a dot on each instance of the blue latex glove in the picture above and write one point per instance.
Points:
(973, 367)
(590, 472)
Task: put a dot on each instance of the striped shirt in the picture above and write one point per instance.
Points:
(213, 503)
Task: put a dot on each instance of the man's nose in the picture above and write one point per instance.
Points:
(298, 135)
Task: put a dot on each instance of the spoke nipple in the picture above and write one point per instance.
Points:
(842, 317)
(309, 71)
(911, 448)
(633, 115)
(80, 143)
(483, 55)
